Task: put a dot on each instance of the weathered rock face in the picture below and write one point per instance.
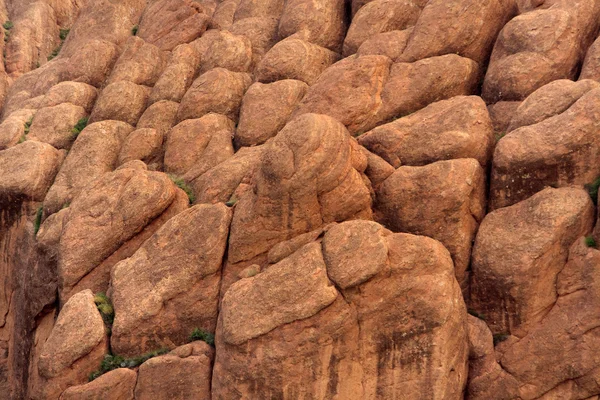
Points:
(449, 129)
(372, 268)
(518, 254)
(75, 347)
(257, 170)
(559, 151)
(308, 177)
(170, 286)
(182, 374)
(444, 200)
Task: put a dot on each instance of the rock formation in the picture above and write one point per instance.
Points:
(299, 199)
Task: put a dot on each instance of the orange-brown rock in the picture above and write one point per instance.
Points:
(219, 91)
(140, 63)
(461, 27)
(182, 374)
(549, 100)
(377, 17)
(161, 116)
(12, 128)
(111, 211)
(224, 13)
(591, 63)
(362, 92)
(54, 125)
(560, 151)
(220, 183)
(74, 349)
(94, 153)
(262, 33)
(307, 178)
(550, 40)
(258, 8)
(118, 384)
(501, 114)
(169, 23)
(170, 286)
(449, 129)
(555, 359)
(294, 58)
(321, 22)
(142, 144)
(177, 76)
(519, 252)
(121, 101)
(390, 44)
(265, 110)
(223, 49)
(77, 93)
(388, 357)
(444, 200)
(28, 170)
(196, 145)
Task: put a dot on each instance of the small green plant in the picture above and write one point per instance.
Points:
(590, 242)
(134, 30)
(199, 334)
(22, 139)
(8, 25)
(105, 308)
(81, 124)
(28, 125)
(592, 189)
(66, 205)
(111, 362)
(476, 314)
(37, 64)
(500, 135)
(38, 220)
(183, 186)
(232, 201)
(500, 337)
(54, 52)
(63, 34)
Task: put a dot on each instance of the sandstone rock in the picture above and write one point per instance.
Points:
(161, 116)
(12, 128)
(157, 302)
(553, 40)
(223, 49)
(248, 306)
(75, 347)
(111, 211)
(169, 23)
(118, 384)
(306, 179)
(379, 16)
(220, 183)
(140, 63)
(218, 90)
(54, 125)
(92, 61)
(553, 360)
(265, 110)
(77, 93)
(196, 145)
(549, 100)
(560, 151)
(48, 236)
(321, 22)
(262, 33)
(518, 253)
(591, 63)
(122, 101)
(378, 170)
(258, 8)
(390, 44)
(501, 114)
(458, 27)
(444, 200)
(378, 360)
(362, 92)
(142, 144)
(94, 153)
(177, 76)
(28, 170)
(223, 16)
(183, 374)
(449, 129)
(294, 58)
